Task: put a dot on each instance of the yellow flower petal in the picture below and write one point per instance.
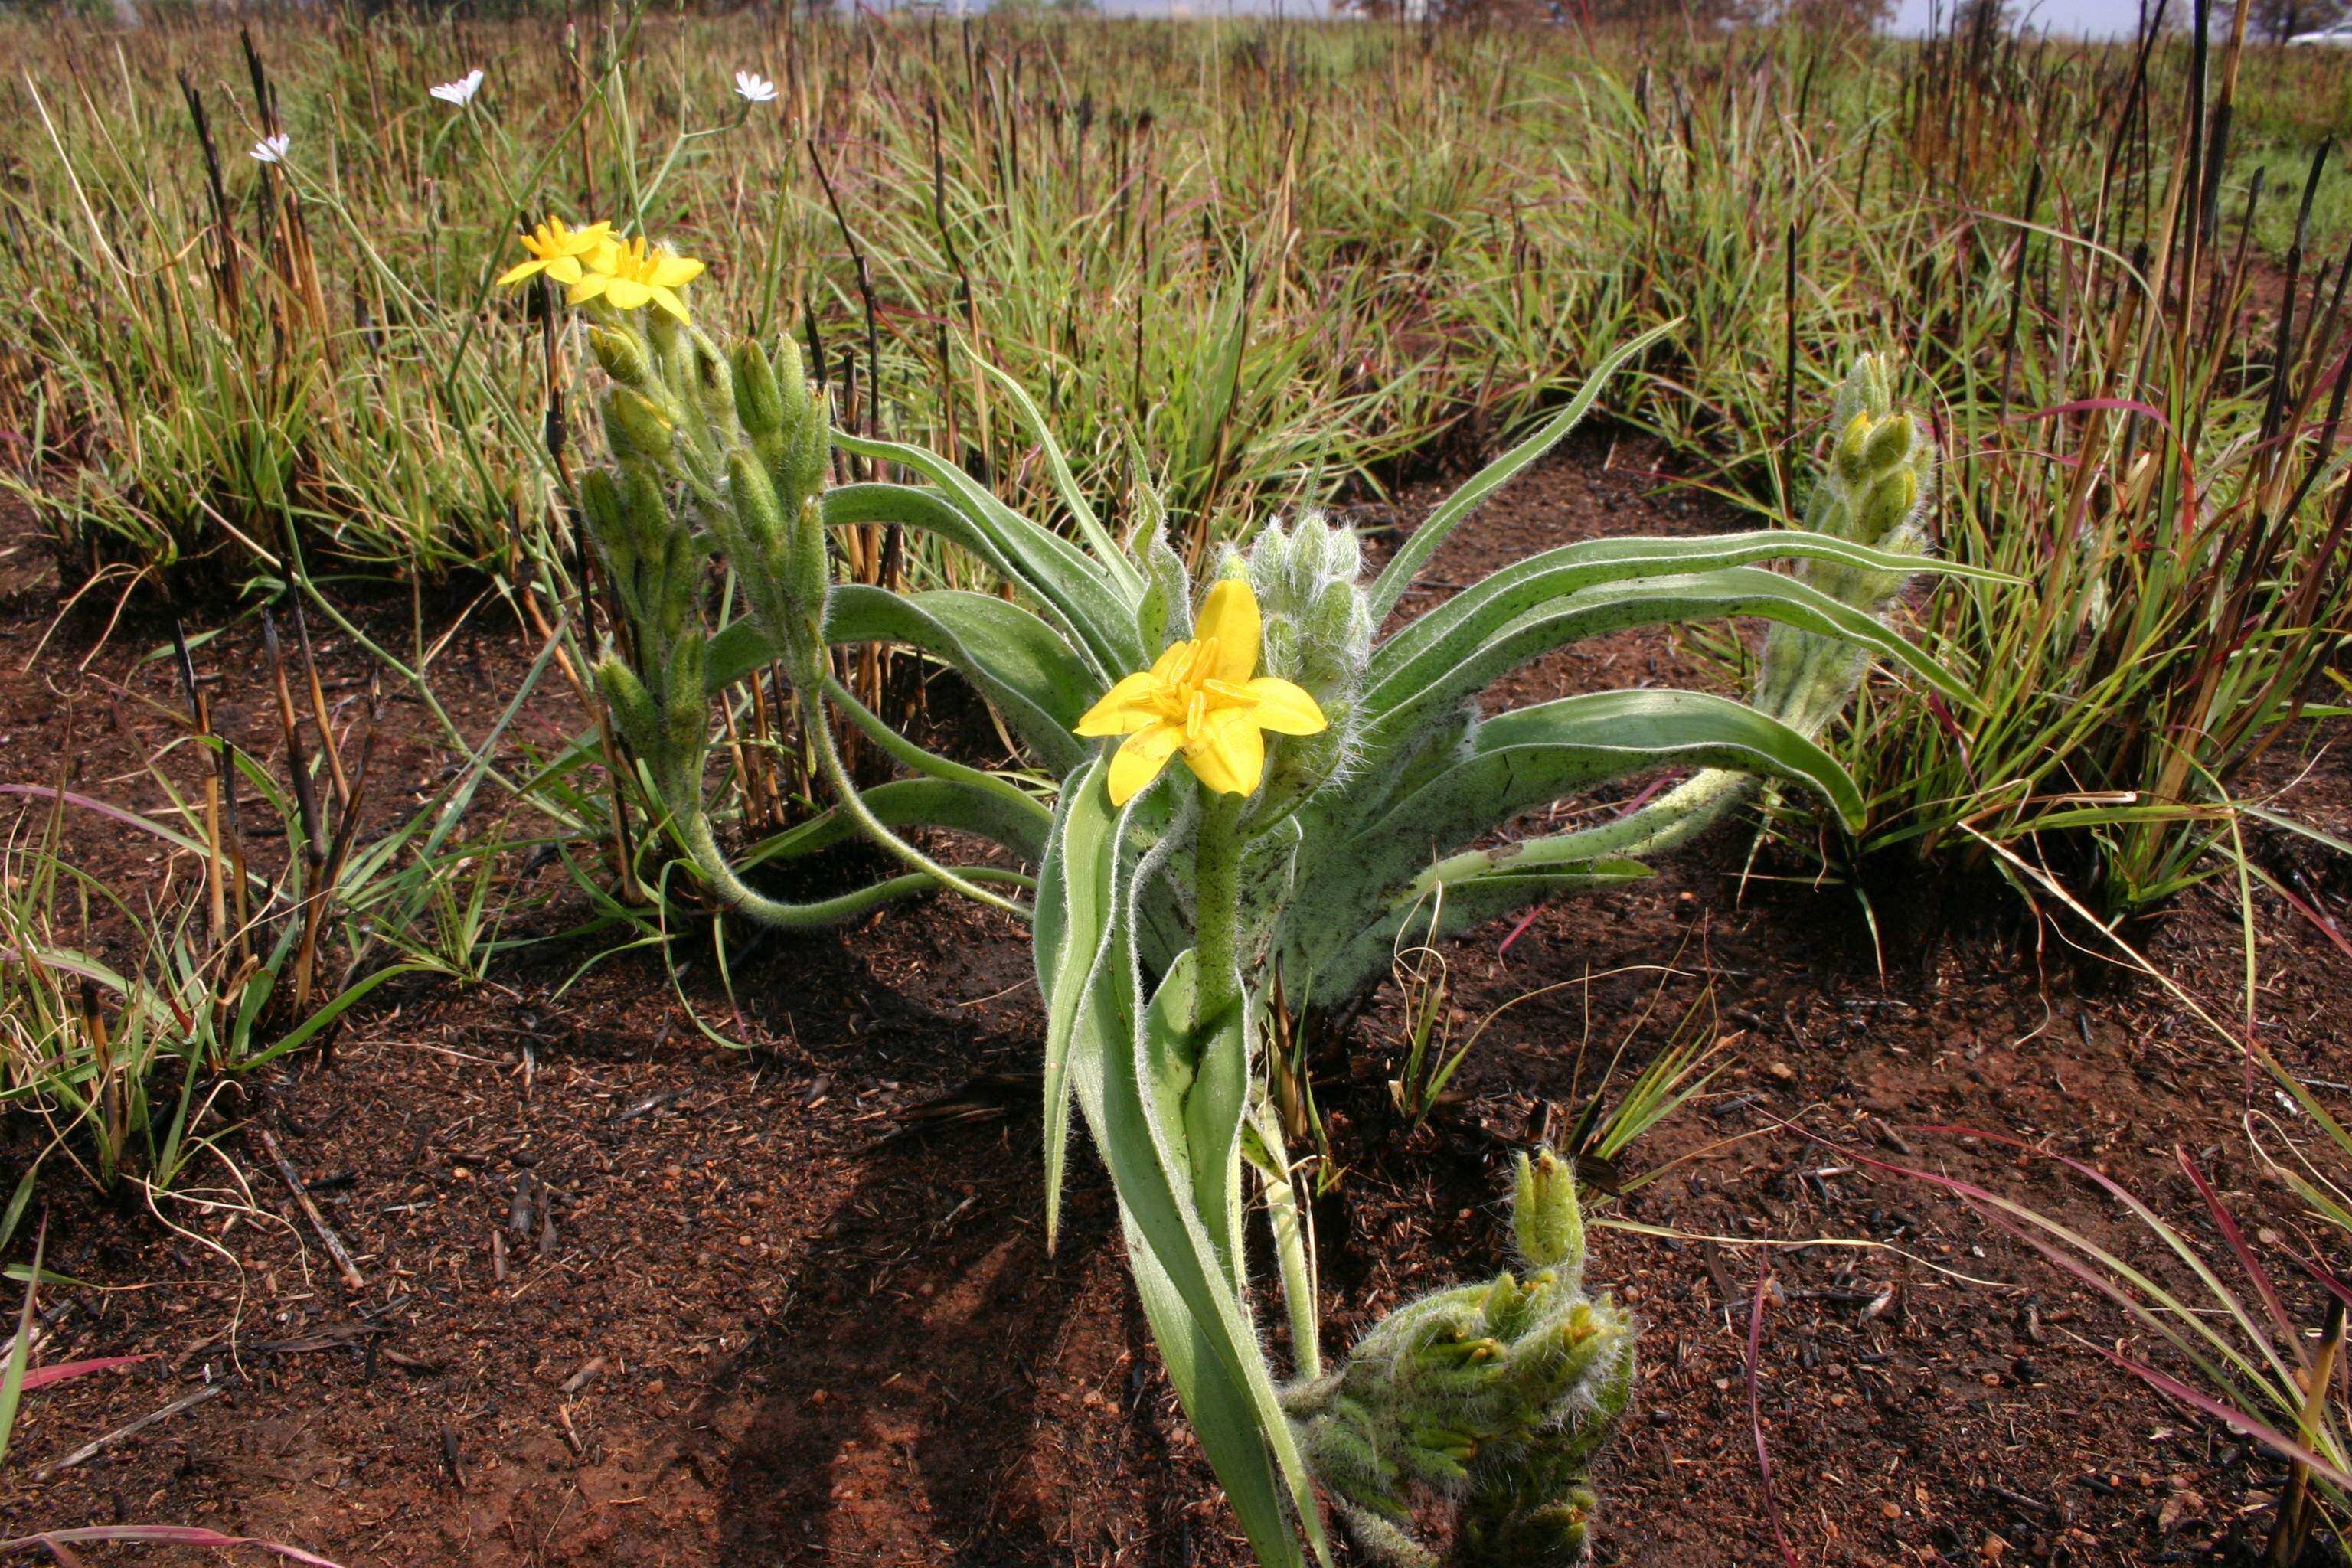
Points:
(588, 287)
(1230, 755)
(1285, 709)
(1140, 759)
(1230, 615)
(564, 269)
(673, 271)
(669, 301)
(1124, 709)
(627, 293)
(521, 270)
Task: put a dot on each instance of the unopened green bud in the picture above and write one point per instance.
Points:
(645, 511)
(602, 510)
(672, 597)
(714, 382)
(632, 709)
(1853, 455)
(759, 400)
(1278, 646)
(757, 511)
(806, 580)
(673, 358)
(1545, 1220)
(809, 561)
(635, 428)
(1890, 442)
(1339, 624)
(790, 375)
(812, 441)
(1889, 503)
(619, 353)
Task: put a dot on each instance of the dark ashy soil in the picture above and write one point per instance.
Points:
(631, 1297)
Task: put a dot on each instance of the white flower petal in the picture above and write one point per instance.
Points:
(271, 149)
(753, 88)
(461, 91)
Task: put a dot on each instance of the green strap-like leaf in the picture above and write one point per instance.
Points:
(1108, 1063)
(1042, 561)
(1221, 1414)
(1057, 468)
(1014, 657)
(1479, 611)
(1410, 558)
(915, 803)
(1017, 662)
(1076, 898)
(1536, 755)
(1650, 601)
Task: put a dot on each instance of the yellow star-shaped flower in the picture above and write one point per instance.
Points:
(556, 251)
(1205, 699)
(627, 277)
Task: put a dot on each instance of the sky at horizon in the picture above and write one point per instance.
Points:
(2078, 18)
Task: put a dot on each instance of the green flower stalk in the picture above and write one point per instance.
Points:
(722, 453)
(1875, 491)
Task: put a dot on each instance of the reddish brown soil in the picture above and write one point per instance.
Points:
(760, 1318)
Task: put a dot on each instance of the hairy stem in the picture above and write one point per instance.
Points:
(853, 805)
(1216, 893)
(905, 751)
(702, 848)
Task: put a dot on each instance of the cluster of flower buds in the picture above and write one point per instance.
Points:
(1493, 1396)
(1874, 491)
(1319, 634)
(772, 530)
(708, 450)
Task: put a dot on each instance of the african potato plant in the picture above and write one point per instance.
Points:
(1334, 783)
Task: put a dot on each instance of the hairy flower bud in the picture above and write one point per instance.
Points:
(1495, 1396)
(645, 511)
(1890, 443)
(685, 706)
(607, 522)
(1852, 456)
(1887, 504)
(714, 384)
(619, 355)
(759, 399)
(631, 706)
(758, 516)
(1547, 1221)
(635, 428)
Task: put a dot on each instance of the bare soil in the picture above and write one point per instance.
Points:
(633, 1296)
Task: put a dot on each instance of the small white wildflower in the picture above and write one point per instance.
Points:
(461, 91)
(753, 88)
(271, 149)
